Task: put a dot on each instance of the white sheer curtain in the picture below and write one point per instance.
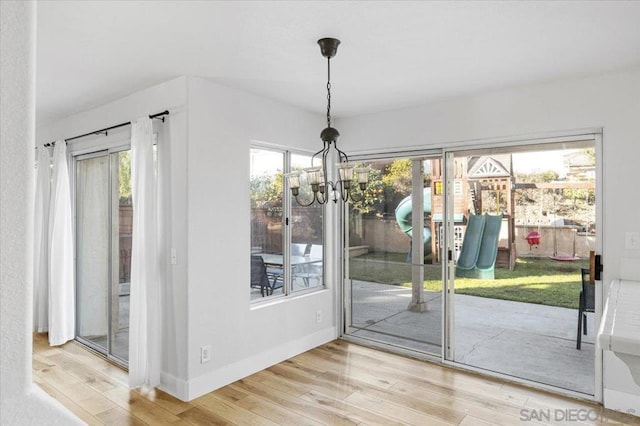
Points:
(61, 264)
(92, 245)
(144, 314)
(41, 242)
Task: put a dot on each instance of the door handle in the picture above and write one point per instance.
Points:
(595, 267)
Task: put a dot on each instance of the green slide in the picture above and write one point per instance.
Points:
(470, 246)
(486, 263)
(403, 218)
(479, 247)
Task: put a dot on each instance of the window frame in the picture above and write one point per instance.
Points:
(287, 205)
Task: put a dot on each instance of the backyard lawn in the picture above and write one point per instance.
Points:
(533, 280)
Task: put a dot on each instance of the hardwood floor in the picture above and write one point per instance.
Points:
(339, 383)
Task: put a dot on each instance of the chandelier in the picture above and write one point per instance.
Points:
(323, 189)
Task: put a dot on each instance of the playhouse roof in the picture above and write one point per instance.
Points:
(483, 166)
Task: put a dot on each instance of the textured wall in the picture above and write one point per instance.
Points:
(17, 39)
(20, 401)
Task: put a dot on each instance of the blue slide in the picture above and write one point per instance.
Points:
(403, 218)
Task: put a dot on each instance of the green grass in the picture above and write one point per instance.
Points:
(533, 280)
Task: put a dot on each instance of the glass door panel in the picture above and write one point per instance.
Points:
(104, 217)
(523, 222)
(394, 267)
(121, 231)
(93, 251)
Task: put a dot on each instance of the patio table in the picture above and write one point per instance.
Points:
(277, 260)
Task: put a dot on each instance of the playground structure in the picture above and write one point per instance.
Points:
(480, 247)
(484, 231)
(403, 218)
(473, 177)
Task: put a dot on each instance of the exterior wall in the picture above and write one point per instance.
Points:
(382, 235)
(568, 242)
(268, 226)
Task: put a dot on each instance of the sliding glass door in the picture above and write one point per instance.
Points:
(393, 257)
(524, 222)
(103, 251)
(480, 257)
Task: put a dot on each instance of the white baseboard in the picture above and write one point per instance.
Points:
(622, 401)
(174, 386)
(230, 373)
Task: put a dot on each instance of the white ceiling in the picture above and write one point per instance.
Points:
(393, 54)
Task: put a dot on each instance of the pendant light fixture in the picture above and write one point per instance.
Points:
(323, 189)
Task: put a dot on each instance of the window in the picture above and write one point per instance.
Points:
(286, 238)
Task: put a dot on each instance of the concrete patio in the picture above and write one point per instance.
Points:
(530, 341)
(535, 342)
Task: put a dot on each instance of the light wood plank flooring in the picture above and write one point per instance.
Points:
(339, 383)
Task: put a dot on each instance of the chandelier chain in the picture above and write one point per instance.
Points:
(328, 92)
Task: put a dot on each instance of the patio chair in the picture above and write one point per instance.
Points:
(587, 303)
(260, 275)
(277, 275)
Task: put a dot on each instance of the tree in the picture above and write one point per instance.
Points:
(124, 176)
(266, 190)
(397, 176)
(373, 196)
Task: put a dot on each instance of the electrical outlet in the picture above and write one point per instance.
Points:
(318, 317)
(632, 240)
(205, 354)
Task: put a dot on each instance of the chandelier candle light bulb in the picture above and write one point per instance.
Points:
(323, 190)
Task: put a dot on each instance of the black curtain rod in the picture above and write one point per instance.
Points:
(159, 116)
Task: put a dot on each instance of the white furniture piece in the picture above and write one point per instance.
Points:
(620, 326)
(619, 338)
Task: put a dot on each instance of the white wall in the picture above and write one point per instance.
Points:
(222, 124)
(21, 402)
(210, 130)
(167, 96)
(610, 101)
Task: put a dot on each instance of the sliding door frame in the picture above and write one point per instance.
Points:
(447, 151)
(83, 155)
(595, 135)
(345, 312)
